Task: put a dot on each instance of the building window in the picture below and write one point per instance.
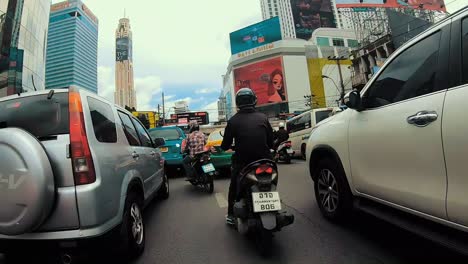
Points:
(338, 42)
(321, 41)
(352, 43)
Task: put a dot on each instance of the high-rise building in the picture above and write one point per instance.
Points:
(23, 32)
(281, 9)
(125, 94)
(72, 46)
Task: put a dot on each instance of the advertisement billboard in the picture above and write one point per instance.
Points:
(311, 14)
(184, 118)
(123, 50)
(265, 78)
(256, 35)
(437, 5)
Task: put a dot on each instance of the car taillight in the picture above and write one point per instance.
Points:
(183, 145)
(82, 162)
(264, 169)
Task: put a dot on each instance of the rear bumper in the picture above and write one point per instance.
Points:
(221, 161)
(67, 242)
(75, 234)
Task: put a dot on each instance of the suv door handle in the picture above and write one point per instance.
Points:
(422, 118)
(135, 155)
(152, 153)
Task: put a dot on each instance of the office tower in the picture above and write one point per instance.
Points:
(72, 46)
(125, 94)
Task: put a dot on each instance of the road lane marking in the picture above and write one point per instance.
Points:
(222, 202)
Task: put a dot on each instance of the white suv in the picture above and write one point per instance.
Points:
(404, 141)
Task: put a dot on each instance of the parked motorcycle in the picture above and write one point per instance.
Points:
(204, 171)
(258, 207)
(284, 152)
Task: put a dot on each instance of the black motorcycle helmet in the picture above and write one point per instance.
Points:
(193, 126)
(245, 97)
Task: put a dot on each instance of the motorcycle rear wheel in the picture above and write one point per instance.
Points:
(264, 241)
(209, 184)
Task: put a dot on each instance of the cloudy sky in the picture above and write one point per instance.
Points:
(179, 47)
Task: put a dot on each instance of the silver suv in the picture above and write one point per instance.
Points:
(72, 167)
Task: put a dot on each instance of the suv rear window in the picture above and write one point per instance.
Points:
(37, 114)
(167, 134)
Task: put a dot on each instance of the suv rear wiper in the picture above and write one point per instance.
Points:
(50, 95)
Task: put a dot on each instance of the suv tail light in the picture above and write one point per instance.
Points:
(82, 162)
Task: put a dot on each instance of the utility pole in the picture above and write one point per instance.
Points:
(164, 110)
(159, 115)
(338, 60)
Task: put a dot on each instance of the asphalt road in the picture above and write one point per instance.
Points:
(189, 228)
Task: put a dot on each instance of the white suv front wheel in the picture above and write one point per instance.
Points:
(331, 190)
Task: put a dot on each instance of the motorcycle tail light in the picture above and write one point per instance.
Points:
(264, 169)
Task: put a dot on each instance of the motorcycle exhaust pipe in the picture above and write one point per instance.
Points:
(66, 259)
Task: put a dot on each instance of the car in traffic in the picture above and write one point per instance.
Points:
(400, 151)
(299, 127)
(220, 158)
(175, 139)
(75, 168)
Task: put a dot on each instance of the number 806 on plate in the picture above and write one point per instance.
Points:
(266, 201)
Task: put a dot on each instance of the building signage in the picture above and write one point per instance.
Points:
(122, 50)
(185, 118)
(89, 13)
(256, 35)
(265, 78)
(437, 5)
(256, 50)
(311, 14)
(59, 6)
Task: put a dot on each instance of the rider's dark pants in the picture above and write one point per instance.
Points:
(235, 171)
(189, 170)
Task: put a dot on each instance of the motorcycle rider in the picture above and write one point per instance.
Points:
(196, 142)
(281, 135)
(253, 137)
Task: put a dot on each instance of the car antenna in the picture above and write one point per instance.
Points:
(51, 93)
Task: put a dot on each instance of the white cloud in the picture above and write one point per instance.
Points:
(147, 87)
(212, 109)
(208, 91)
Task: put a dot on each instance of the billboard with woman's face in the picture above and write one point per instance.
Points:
(265, 78)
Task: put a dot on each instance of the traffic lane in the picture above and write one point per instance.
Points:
(363, 233)
(190, 228)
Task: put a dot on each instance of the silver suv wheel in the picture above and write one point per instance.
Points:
(137, 224)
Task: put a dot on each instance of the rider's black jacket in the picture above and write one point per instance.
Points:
(252, 134)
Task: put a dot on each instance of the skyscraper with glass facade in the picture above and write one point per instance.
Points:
(23, 35)
(72, 46)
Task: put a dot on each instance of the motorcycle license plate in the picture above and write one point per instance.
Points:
(289, 151)
(208, 168)
(266, 201)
